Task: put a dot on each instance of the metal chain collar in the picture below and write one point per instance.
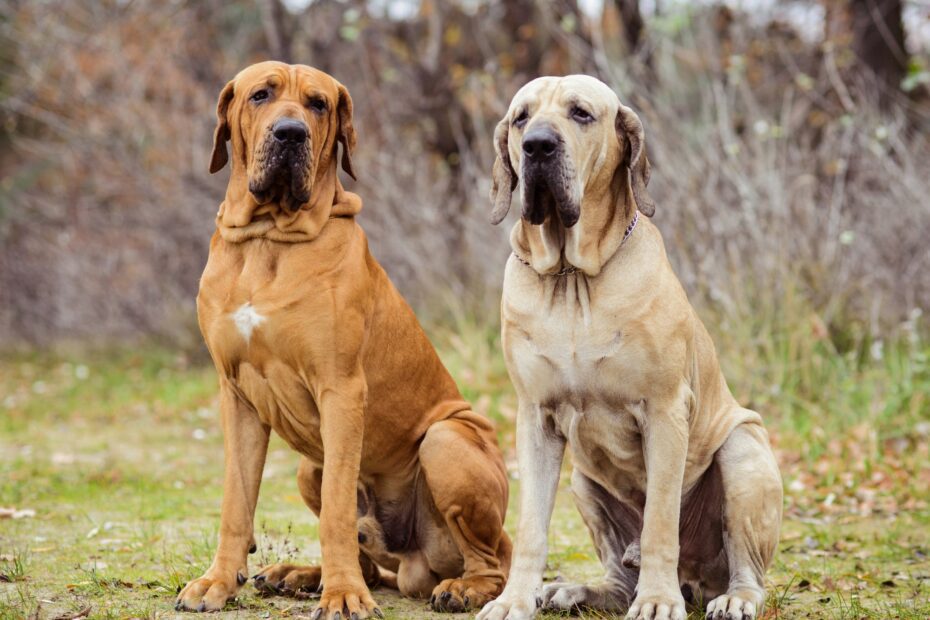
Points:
(564, 271)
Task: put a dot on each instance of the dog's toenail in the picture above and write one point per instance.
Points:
(466, 601)
(378, 612)
(253, 548)
(240, 578)
(258, 578)
(362, 539)
(177, 606)
(337, 615)
(445, 596)
(202, 607)
(687, 593)
(354, 616)
(316, 615)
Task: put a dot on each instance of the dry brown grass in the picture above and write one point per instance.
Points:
(774, 172)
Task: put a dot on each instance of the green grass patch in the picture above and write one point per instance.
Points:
(119, 453)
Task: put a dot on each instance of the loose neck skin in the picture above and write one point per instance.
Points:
(606, 211)
(241, 217)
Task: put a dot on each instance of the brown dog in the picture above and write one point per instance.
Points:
(311, 339)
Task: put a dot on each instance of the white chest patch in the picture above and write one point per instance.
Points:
(247, 319)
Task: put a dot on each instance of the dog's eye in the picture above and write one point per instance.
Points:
(317, 104)
(259, 96)
(581, 115)
(521, 119)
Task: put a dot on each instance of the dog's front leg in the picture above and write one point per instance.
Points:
(342, 426)
(539, 455)
(245, 444)
(664, 428)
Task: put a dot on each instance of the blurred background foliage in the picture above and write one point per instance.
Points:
(789, 141)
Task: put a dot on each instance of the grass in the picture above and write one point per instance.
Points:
(120, 455)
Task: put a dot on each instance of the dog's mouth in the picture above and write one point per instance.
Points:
(282, 174)
(546, 194)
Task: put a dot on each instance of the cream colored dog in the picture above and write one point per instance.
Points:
(676, 482)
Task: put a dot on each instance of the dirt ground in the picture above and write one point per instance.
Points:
(116, 468)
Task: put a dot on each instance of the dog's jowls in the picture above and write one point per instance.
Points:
(676, 482)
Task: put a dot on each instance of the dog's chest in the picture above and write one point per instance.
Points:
(576, 374)
(557, 352)
(566, 359)
(582, 364)
(256, 329)
(251, 320)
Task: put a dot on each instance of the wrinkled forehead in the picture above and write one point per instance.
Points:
(565, 91)
(297, 78)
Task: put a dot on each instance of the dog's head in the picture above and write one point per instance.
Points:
(284, 123)
(561, 139)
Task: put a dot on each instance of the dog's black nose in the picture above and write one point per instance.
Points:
(289, 131)
(540, 144)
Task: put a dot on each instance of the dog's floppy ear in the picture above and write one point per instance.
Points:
(346, 135)
(503, 176)
(630, 129)
(221, 134)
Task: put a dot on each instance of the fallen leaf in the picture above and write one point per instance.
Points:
(13, 513)
(74, 616)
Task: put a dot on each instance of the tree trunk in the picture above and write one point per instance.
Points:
(633, 24)
(634, 31)
(879, 39)
(274, 21)
(873, 31)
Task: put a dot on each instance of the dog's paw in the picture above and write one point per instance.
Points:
(511, 606)
(574, 597)
(349, 601)
(288, 579)
(571, 597)
(728, 607)
(209, 593)
(458, 595)
(646, 606)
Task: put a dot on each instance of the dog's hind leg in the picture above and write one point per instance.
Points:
(752, 517)
(467, 480)
(284, 578)
(615, 530)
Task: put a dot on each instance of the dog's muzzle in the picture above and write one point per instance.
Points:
(545, 182)
(283, 165)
